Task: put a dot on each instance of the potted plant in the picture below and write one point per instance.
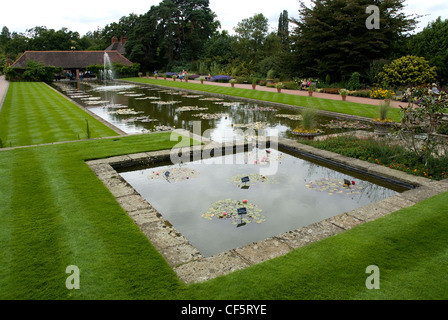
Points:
(270, 76)
(279, 87)
(232, 82)
(344, 94)
(254, 83)
(307, 129)
(311, 89)
(202, 78)
(174, 77)
(382, 123)
(140, 74)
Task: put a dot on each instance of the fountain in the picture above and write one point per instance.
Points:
(108, 72)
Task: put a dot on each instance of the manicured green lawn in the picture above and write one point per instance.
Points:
(54, 212)
(338, 106)
(35, 114)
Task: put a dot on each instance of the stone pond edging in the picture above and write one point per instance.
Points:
(188, 262)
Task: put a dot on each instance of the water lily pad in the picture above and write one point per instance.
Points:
(262, 109)
(228, 104)
(148, 98)
(335, 186)
(211, 99)
(193, 108)
(254, 179)
(125, 112)
(211, 116)
(227, 210)
(342, 124)
(165, 102)
(255, 125)
(296, 117)
(174, 174)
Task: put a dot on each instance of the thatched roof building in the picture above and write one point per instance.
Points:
(70, 60)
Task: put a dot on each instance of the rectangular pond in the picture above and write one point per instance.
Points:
(228, 202)
(143, 108)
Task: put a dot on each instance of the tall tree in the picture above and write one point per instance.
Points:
(331, 37)
(250, 37)
(283, 27)
(432, 44)
(176, 31)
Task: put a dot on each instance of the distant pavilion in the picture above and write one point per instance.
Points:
(73, 61)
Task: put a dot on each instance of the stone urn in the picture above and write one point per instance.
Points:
(382, 128)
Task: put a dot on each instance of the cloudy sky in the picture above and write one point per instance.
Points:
(88, 15)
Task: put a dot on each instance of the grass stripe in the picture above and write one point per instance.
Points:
(35, 114)
(36, 247)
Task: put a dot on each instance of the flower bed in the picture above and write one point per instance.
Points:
(221, 78)
(385, 153)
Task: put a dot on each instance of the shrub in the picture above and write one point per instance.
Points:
(360, 93)
(271, 74)
(290, 85)
(406, 72)
(385, 153)
(353, 82)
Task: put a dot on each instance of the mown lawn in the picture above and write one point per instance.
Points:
(338, 106)
(34, 114)
(54, 212)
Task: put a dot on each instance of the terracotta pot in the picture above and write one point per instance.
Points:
(279, 90)
(344, 98)
(310, 93)
(254, 86)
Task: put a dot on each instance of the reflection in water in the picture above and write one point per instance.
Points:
(201, 198)
(162, 104)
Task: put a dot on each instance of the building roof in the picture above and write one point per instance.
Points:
(70, 59)
(118, 45)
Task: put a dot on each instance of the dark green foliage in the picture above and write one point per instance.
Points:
(432, 44)
(283, 27)
(170, 33)
(34, 71)
(354, 81)
(387, 153)
(331, 36)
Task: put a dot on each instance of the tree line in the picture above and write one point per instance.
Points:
(328, 40)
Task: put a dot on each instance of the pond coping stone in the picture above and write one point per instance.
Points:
(187, 261)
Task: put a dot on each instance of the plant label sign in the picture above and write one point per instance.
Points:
(167, 174)
(242, 211)
(245, 180)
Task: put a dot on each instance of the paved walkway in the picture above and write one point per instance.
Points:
(3, 89)
(395, 104)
